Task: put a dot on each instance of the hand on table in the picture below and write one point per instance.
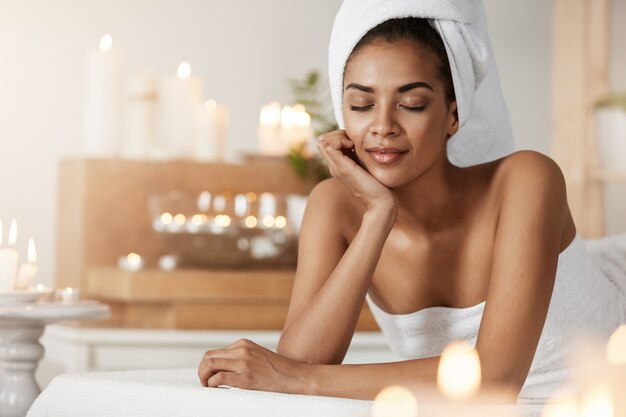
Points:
(246, 365)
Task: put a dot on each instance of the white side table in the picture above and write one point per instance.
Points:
(21, 325)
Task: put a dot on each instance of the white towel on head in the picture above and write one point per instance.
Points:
(485, 132)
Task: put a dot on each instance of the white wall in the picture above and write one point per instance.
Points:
(244, 49)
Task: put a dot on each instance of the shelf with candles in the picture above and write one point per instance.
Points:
(197, 298)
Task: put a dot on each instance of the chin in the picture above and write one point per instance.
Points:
(389, 179)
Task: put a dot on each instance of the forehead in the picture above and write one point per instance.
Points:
(383, 63)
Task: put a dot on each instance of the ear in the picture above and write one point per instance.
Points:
(453, 119)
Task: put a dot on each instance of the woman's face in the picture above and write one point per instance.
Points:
(395, 110)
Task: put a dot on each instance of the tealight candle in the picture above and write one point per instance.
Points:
(27, 271)
(8, 260)
(130, 262)
(68, 295)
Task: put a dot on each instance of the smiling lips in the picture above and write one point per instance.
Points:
(385, 155)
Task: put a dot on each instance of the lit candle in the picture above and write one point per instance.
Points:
(295, 125)
(28, 270)
(131, 262)
(9, 260)
(271, 141)
(211, 128)
(179, 97)
(68, 295)
(103, 99)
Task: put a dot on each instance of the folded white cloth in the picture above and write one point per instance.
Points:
(485, 132)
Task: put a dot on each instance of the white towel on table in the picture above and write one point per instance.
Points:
(485, 132)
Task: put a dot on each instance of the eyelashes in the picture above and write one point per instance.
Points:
(366, 108)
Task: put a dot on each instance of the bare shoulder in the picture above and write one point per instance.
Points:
(332, 196)
(528, 173)
(331, 199)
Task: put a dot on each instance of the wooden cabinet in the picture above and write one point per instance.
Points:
(103, 214)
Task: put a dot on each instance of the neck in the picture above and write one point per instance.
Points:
(431, 201)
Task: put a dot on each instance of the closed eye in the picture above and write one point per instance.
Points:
(361, 108)
(415, 109)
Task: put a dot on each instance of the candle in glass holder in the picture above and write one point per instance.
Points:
(131, 262)
(28, 270)
(8, 260)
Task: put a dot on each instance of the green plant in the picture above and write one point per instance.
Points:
(612, 100)
(313, 94)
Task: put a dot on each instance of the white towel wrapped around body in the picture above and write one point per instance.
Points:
(485, 132)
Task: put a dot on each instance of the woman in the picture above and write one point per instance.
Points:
(440, 252)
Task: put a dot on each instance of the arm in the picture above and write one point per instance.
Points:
(332, 278)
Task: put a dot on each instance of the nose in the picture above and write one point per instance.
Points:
(384, 123)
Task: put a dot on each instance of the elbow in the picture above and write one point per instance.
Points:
(506, 383)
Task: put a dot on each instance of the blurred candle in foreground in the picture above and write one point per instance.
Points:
(9, 260)
(458, 376)
(103, 91)
(395, 401)
(28, 270)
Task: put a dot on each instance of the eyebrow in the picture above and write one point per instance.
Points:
(401, 89)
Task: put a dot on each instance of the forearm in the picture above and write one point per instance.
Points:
(318, 333)
(366, 381)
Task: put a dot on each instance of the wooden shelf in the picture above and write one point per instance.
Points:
(251, 299)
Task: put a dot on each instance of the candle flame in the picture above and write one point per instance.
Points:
(133, 258)
(12, 233)
(616, 348)
(40, 287)
(180, 219)
(32, 252)
(210, 105)
(268, 221)
(166, 218)
(222, 220)
(106, 42)
(459, 375)
(280, 221)
(251, 221)
(395, 401)
(69, 290)
(184, 70)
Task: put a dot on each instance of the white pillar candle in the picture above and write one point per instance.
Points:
(8, 261)
(28, 270)
(271, 141)
(211, 129)
(103, 99)
(178, 99)
(139, 115)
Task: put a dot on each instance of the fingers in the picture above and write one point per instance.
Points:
(211, 366)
